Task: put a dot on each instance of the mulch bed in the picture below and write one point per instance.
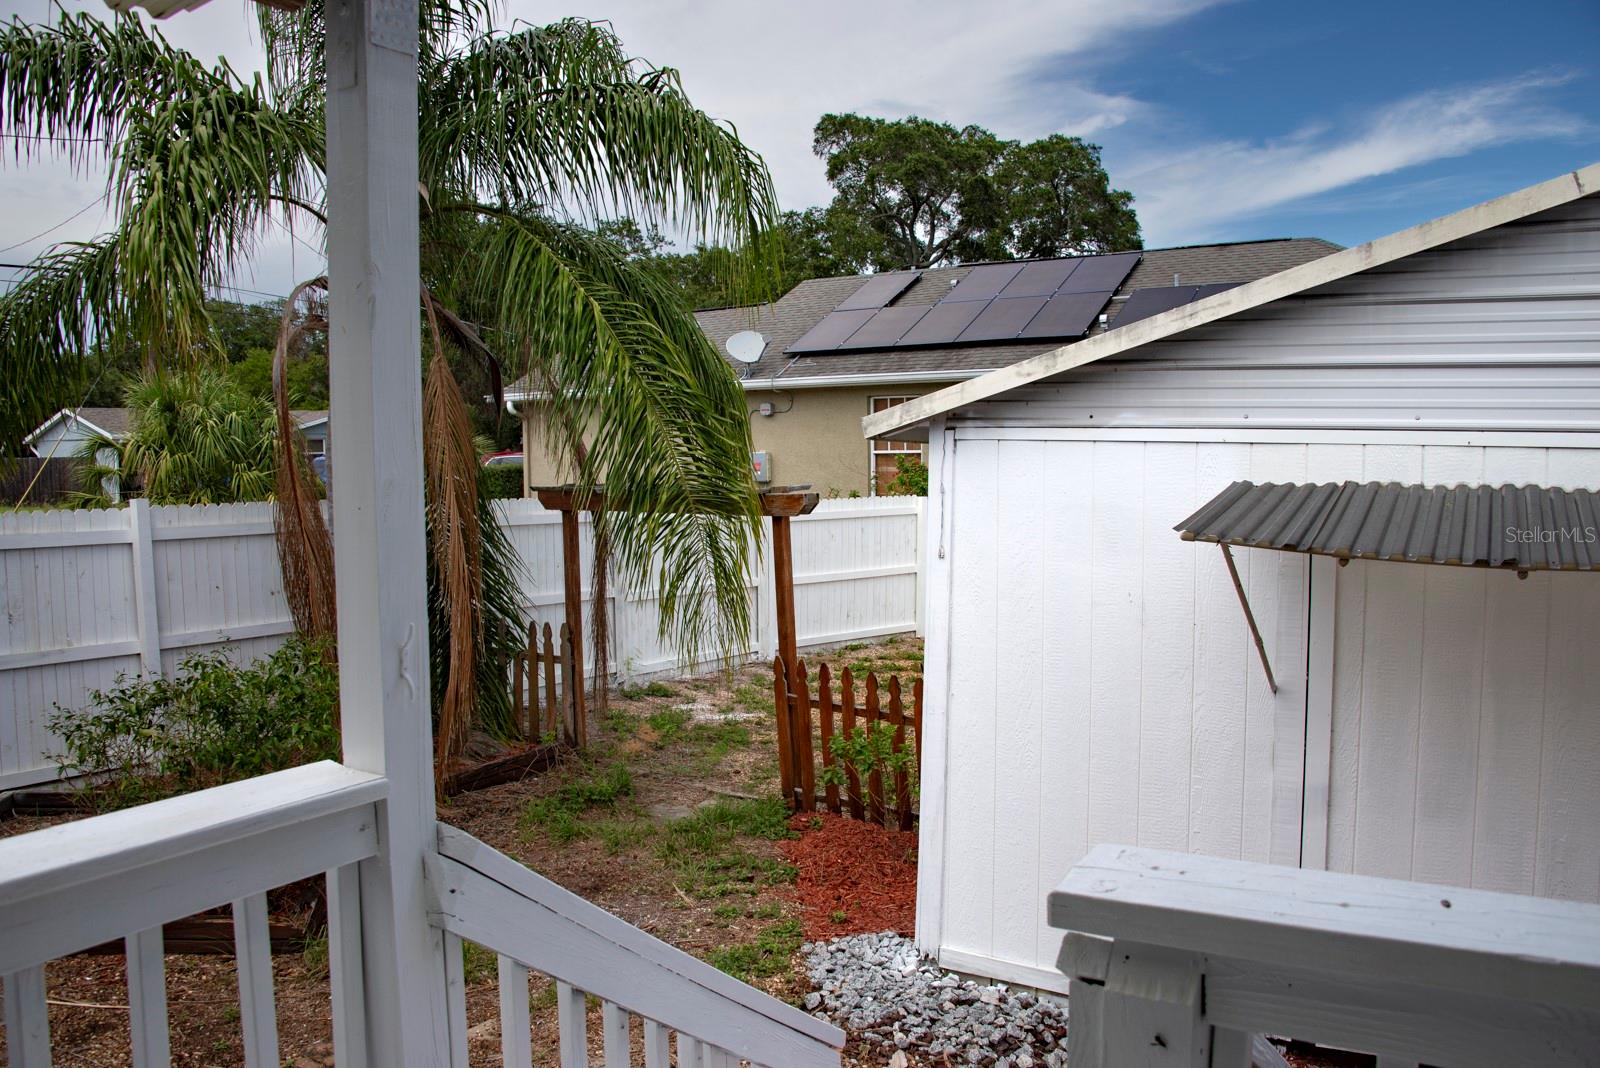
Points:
(852, 877)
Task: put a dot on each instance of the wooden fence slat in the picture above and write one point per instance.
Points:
(875, 777)
(902, 780)
(825, 723)
(916, 715)
(571, 682)
(780, 705)
(547, 711)
(800, 722)
(847, 726)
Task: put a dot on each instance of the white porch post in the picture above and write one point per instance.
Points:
(375, 380)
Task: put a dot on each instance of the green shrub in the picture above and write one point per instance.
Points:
(502, 480)
(213, 723)
(910, 479)
(767, 956)
(651, 689)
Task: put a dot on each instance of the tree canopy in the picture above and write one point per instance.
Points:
(917, 193)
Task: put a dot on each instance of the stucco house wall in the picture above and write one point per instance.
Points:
(813, 437)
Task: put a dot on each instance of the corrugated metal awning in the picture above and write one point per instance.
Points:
(1524, 528)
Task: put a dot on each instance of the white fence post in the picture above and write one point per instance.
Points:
(145, 605)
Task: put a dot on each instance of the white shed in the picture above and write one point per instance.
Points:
(1090, 675)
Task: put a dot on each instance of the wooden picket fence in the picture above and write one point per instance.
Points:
(543, 710)
(808, 723)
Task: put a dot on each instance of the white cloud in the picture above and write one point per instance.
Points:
(774, 69)
(1192, 195)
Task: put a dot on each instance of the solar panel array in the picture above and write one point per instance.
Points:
(1143, 303)
(1032, 301)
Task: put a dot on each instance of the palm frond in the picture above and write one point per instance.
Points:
(562, 118)
(305, 547)
(670, 439)
(451, 471)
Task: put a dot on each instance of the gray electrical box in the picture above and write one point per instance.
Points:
(761, 462)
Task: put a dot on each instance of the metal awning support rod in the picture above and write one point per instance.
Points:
(1249, 616)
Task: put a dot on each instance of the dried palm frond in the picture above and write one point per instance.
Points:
(450, 468)
(305, 548)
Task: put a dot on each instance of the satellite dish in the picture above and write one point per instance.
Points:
(746, 346)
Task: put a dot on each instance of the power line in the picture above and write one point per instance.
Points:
(53, 229)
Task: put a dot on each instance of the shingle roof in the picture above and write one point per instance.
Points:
(783, 321)
(1318, 271)
(786, 319)
(1528, 528)
(114, 421)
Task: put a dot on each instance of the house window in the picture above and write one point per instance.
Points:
(314, 447)
(886, 454)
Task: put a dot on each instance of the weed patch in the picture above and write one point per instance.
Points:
(653, 689)
(668, 724)
(768, 955)
(559, 814)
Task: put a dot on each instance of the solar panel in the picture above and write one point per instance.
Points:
(943, 323)
(1003, 319)
(885, 327)
(1143, 303)
(1066, 315)
(832, 331)
(1097, 273)
(1040, 279)
(983, 282)
(878, 290)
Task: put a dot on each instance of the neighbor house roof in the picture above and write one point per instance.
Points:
(785, 320)
(112, 422)
(1057, 359)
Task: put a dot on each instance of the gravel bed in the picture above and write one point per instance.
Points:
(878, 987)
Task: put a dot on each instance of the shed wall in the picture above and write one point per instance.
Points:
(1103, 688)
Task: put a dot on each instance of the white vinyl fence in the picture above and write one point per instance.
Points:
(86, 596)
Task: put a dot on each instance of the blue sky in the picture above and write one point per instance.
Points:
(1228, 119)
(1477, 99)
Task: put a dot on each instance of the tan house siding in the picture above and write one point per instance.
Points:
(813, 436)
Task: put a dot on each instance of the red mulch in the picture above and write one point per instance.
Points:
(852, 877)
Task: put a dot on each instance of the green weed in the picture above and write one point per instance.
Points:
(653, 689)
(766, 956)
(559, 814)
(668, 724)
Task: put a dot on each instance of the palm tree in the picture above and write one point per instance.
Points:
(195, 438)
(523, 136)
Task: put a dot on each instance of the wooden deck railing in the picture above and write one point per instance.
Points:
(1182, 960)
(484, 896)
(125, 874)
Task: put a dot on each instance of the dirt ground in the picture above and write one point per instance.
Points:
(671, 820)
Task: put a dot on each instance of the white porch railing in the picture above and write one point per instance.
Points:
(125, 874)
(485, 897)
(1178, 959)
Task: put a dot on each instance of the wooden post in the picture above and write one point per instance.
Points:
(783, 581)
(847, 727)
(545, 715)
(375, 379)
(875, 776)
(902, 780)
(781, 709)
(805, 777)
(572, 575)
(825, 729)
